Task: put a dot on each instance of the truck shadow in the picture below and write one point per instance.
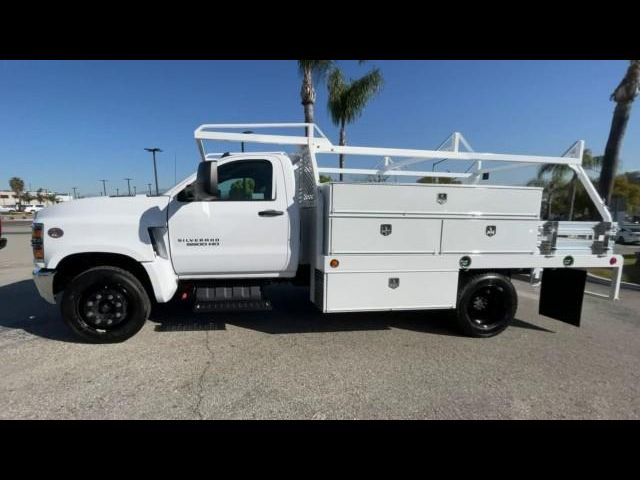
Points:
(21, 308)
(294, 313)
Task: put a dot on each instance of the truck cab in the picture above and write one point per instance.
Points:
(251, 229)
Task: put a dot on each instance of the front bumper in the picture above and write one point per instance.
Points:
(3, 243)
(43, 278)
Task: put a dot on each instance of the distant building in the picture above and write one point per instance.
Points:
(9, 199)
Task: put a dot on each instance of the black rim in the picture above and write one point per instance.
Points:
(105, 307)
(489, 307)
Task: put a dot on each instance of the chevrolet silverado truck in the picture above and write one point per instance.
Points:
(247, 220)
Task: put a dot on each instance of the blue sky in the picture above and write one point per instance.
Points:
(71, 123)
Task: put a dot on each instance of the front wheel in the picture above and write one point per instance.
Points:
(487, 304)
(105, 305)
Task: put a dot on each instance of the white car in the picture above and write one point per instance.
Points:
(629, 234)
(33, 208)
(7, 209)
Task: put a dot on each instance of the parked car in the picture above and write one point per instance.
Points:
(7, 209)
(629, 234)
(3, 241)
(33, 208)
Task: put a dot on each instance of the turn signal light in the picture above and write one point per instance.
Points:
(334, 263)
(37, 241)
(38, 253)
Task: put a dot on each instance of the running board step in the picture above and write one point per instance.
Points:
(233, 306)
(230, 298)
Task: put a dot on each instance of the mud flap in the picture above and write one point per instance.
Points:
(561, 294)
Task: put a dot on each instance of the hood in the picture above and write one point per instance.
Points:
(118, 225)
(151, 210)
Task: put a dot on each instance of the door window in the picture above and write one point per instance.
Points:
(240, 181)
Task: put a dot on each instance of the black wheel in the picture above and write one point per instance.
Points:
(487, 304)
(105, 305)
(620, 239)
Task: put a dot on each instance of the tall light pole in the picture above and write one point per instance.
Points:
(129, 184)
(433, 168)
(155, 170)
(242, 143)
(104, 186)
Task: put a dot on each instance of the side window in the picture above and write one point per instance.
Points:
(243, 180)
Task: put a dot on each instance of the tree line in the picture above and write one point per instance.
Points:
(17, 187)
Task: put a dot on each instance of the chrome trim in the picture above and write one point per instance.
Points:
(43, 278)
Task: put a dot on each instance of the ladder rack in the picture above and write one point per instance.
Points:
(317, 143)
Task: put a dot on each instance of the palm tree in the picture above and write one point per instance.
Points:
(347, 99)
(17, 186)
(624, 95)
(558, 174)
(40, 195)
(310, 70)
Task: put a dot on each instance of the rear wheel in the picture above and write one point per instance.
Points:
(105, 305)
(487, 304)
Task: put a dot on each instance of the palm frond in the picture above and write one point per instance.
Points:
(317, 68)
(347, 99)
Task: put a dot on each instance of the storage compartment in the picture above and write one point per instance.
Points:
(423, 199)
(390, 291)
(489, 236)
(383, 235)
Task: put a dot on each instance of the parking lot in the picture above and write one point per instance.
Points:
(296, 363)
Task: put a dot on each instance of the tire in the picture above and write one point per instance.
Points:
(487, 304)
(621, 240)
(105, 305)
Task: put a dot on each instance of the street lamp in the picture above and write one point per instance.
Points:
(155, 170)
(433, 167)
(104, 186)
(129, 184)
(242, 143)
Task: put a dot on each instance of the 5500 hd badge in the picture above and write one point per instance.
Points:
(200, 242)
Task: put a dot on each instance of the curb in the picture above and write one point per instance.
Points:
(605, 281)
(590, 278)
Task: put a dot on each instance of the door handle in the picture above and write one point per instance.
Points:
(270, 213)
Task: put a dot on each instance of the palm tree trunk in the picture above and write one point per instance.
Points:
(573, 197)
(308, 95)
(343, 141)
(612, 151)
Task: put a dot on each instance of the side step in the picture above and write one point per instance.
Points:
(230, 298)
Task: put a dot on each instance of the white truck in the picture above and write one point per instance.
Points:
(246, 220)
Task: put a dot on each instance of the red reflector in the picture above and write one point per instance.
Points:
(184, 296)
(613, 261)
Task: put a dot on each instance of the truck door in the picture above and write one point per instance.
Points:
(245, 231)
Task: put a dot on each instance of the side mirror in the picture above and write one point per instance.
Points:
(206, 184)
